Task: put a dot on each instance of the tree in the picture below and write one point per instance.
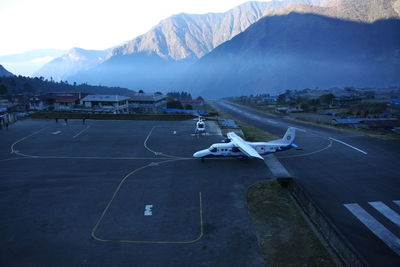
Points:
(3, 89)
(28, 88)
(327, 98)
(188, 106)
(141, 91)
(13, 83)
(174, 104)
(281, 99)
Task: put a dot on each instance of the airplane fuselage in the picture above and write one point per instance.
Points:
(230, 150)
(235, 146)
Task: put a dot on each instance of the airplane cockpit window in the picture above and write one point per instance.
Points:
(213, 149)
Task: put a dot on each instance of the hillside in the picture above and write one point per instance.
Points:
(298, 51)
(19, 86)
(153, 60)
(77, 59)
(156, 59)
(354, 10)
(4, 72)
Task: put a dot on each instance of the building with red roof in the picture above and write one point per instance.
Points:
(56, 101)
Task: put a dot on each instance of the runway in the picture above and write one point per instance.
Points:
(340, 170)
(122, 193)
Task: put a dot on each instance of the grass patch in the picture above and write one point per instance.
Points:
(251, 133)
(73, 115)
(371, 133)
(284, 236)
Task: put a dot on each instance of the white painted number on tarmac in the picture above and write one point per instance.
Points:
(148, 210)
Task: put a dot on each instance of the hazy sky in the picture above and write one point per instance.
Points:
(90, 24)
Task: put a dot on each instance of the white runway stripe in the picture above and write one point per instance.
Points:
(87, 127)
(353, 147)
(386, 211)
(376, 227)
(397, 202)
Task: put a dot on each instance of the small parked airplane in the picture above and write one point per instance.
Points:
(235, 146)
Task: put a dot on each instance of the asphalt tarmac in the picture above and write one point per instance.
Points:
(122, 193)
(354, 179)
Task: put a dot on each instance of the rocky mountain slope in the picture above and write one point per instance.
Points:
(4, 72)
(297, 51)
(77, 59)
(354, 10)
(155, 60)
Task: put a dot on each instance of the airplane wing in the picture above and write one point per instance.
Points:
(243, 146)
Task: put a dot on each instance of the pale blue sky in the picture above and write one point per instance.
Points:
(89, 24)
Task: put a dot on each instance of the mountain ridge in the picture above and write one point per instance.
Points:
(177, 42)
(4, 72)
(77, 59)
(174, 44)
(306, 51)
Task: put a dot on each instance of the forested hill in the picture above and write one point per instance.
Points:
(31, 86)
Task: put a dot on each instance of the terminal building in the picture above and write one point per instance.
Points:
(106, 103)
(147, 103)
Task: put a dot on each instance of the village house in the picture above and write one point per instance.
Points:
(147, 103)
(56, 101)
(106, 103)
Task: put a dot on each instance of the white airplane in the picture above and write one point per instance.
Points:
(200, 126)
(235, 146)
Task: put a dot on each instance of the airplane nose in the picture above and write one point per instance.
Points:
(197, 154)
(200, 154)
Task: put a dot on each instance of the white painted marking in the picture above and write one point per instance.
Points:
(359, 150)
(376, 227)
(386, 211)
(148, 210)
(87, 127)
(56, 132)
(23, 138)
(301, 130)
(397, 202)
(270, 121)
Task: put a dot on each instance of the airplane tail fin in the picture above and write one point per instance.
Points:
(289, 136)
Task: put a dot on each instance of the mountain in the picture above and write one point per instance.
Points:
(4, 72)
(77, 59)
(354, 10)
(153, 60)
(298, 51)
(191, 36)
(29, 62)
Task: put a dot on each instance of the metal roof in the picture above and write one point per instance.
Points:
(382, 123)
(147, 97)
(61, 97)
(105, 98)
(191, 101)
(359, 120)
